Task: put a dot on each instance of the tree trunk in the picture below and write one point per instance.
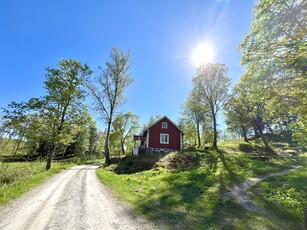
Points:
(50, 156)
(106, 145)
(255, 130)
(244, 133)
(214, 143)
(263, 138)
(198, 134)
(123, 148)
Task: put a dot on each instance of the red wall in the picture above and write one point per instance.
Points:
(174, 136)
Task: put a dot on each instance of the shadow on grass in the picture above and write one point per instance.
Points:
(133, 164)
(185, 204)
(191, 199)
(228, 169)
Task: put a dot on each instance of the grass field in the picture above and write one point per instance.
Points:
(17, 178)
(192, 198)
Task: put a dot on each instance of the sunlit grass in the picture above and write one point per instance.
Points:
(17, 178)
(193, 198)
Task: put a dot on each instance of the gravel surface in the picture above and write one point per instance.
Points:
(72, 199)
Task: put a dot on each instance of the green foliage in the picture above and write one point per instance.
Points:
(285, 196)
(190, 132)
(211, 87)
(48, 125)
(17, 178)
(274, 52)
(64, 100)
(124, 127)
(194, 111)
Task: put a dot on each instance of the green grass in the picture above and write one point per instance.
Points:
(192, 198)
(285, 197)
(17, 178)
(7, 149)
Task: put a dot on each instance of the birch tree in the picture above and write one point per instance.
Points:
(212, 83)
(108, 90)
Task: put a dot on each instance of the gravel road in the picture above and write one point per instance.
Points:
(72, 199)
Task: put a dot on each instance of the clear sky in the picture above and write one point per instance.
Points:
(161, 35)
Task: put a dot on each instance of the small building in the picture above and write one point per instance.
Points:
(163, 136)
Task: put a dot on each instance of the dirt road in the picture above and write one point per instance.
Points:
(72, 199)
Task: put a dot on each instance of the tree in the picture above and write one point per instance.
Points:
(63, 106)
(195, 111)
(125, 125)
(21, 122)
(50, 123)
(93, 139)
(211, 84)
(274, 52)
(190, 133)
(251, 106)
(236, 116)
(108, 90)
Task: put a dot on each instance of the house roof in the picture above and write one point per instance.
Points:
(165, 117)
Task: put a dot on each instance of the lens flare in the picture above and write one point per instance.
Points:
(202, 54)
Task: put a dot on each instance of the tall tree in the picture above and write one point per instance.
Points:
(64, 107)
(212, 83)
(275, 54)
(252, 104)
(108, 90)
(125, 125)
(195, 110)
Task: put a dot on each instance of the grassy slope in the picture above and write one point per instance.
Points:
(285, 197)
(192, 198)
(17, 178)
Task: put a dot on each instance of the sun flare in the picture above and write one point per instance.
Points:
(202, 54)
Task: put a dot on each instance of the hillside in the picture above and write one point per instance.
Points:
(187, 190)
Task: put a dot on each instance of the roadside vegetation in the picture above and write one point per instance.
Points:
(193, 197)
(18, 177)
(285, 197)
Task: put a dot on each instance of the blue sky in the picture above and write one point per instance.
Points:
(161, 35)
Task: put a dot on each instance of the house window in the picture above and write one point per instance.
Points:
(164, 125)
(164, 138)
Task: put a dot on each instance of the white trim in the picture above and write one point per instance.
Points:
(161, 120)
(147, 139)
(164, 134)
(164, 125)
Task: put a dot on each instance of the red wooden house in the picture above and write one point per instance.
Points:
(163, 135)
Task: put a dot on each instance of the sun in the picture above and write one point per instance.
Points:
(202, 54)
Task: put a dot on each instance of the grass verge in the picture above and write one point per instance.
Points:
(192, 198)
(285, 197)
(18, 178)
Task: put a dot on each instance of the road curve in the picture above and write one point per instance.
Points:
(72, 199)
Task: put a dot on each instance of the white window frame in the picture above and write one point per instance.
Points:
(162, 138)
(164, 125)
